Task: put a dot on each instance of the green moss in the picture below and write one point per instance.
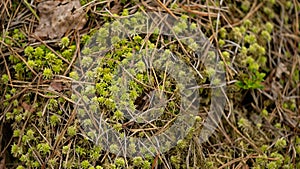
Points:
(85, 164)
(245, 6)
(120, 162)
(280, 143)
(247, 41)
(64, 42)
(44, 148)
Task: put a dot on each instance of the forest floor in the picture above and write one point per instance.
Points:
(246, 113)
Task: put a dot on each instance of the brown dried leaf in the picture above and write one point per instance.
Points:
(56, 86)
(116, 8)
(281, 68)
(58, 17)
(27, 107)
(2, 164)
(276, 88)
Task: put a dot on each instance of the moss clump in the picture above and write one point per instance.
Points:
(258, 46)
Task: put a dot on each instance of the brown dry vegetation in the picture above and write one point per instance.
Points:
(257, 40)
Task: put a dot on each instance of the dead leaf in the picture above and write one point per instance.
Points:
(27, 107)
(56, 86)
(276, 88)
(116, 8)
(281, 68)
(2, 164)
(245, 166)
(58, 17)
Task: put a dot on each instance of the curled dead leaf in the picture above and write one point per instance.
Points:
(281, 68)
(58, 17)
(116, 8)
(57, 86)
(27, 107)
(276, 88)
(2, 164)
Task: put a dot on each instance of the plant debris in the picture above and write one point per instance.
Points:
(43, 121)
(59, 17)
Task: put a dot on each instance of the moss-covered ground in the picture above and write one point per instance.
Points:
(258, 42)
